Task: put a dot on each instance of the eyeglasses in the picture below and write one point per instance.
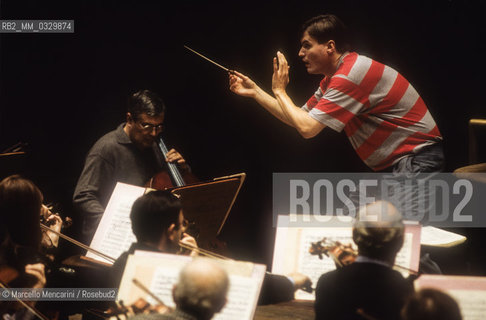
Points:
(148, 127)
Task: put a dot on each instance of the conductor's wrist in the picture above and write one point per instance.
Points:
(278, 91)
(257, 92)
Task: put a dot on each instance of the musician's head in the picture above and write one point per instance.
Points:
(157, 219)
(378, 231)
(327, 27)
(20, 207)
(201, 289)
(324, 38)
(145, 116)
(431, 304)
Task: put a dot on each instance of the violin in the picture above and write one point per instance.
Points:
(141, 306)
(46, 212)
(22, 303)
(8, 274)
(120, 312)
(342, 255)
(16, 275)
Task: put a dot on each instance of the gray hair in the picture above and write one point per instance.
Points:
(201, 289)
(378, 230)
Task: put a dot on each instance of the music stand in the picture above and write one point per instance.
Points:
(208, 204)
(13, 160)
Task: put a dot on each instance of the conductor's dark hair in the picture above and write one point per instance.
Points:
(328, 27)
(20, 207)
(431, 304)
(153, 213)
(145, 101)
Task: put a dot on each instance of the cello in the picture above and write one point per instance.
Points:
(171, 178)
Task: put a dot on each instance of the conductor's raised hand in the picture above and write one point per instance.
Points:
(280, 78)
(241, 84)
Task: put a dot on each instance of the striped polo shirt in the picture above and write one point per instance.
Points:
(382, 114)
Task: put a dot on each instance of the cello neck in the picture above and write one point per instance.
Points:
(174, 172)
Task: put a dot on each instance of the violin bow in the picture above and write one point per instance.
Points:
(204, 252)
(75, 242)
(33, 310)
(147, 291)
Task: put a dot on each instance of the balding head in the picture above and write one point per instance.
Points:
(431, 304)
(378, 231)
(202, 287)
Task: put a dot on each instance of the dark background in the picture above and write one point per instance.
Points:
(60, 92)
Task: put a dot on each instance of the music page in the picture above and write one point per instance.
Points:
(114, 233)
(159, 272)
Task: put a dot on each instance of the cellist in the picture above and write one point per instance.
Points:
(128, 154)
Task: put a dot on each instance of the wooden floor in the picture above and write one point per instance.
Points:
(295, 310)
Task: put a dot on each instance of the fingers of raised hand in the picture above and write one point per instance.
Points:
(282, 61)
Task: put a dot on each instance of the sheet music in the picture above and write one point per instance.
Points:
(162, 283)
(410, 250)
(208, 203)
(159, 272)
(432, 236)
(311, 265)
(291, 253)
(241, 291)
(471, 302)
(469, 292)
(114, 233)
(404, 256)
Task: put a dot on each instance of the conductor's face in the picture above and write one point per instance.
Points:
(315, 55)
(143, 130)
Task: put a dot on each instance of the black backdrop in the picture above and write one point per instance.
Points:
(60, 92)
